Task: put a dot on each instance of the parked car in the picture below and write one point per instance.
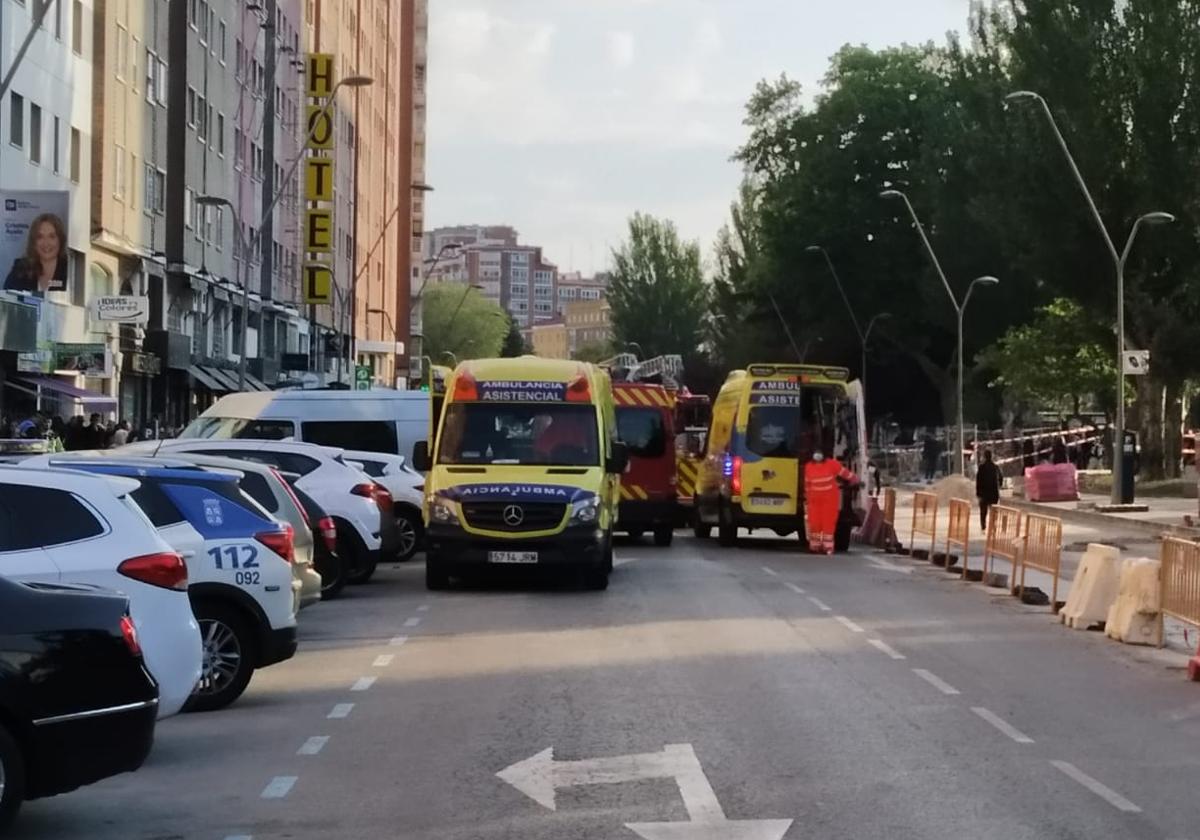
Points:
(378, 420)
(325, 557)
(407, 487)
(98, 535)
(76, 702)
(356, 503)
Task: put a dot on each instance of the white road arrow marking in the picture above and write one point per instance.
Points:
(540, 776)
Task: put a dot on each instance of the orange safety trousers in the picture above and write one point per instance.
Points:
(822, 499)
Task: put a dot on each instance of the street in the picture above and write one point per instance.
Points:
(754, 693)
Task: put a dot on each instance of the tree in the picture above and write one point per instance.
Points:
(657, 291)
(514, 343)
(1055, 361)
(594, 352)
(461, 321)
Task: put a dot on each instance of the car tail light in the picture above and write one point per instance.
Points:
(383, 498)
(579, 389)
(295, 499)
(165, 569)
(328, 530)
(282, 542)
(129, 634)
(735, 480)
(367, 491)
(465, 388)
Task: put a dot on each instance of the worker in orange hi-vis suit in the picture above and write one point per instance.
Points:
(822, 498)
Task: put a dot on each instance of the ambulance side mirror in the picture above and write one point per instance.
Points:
(618, 460)
(421, 461)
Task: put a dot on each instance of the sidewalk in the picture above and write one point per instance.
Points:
(1137, 535)
(1165, 515)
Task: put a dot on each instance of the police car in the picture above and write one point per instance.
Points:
(239, 563)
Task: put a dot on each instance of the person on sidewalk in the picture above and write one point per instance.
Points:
(987, 487)
(822, 500)
(929, 457)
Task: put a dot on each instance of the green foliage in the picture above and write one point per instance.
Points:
(459, 320)
(514, 343)
(594, 352)
(657, 292)
(1054, 361)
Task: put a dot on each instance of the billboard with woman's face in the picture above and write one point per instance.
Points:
(33, 240)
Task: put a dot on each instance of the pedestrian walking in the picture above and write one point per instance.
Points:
(120, 435)
(929, 457)
(822, 500)
(987, 487)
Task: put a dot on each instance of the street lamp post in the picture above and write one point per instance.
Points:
(866, 337)
(959, 310)
(248, 245)
(1119, 261)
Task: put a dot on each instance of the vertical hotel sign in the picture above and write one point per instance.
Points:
(318, 181)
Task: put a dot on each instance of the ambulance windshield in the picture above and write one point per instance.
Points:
(536, 434)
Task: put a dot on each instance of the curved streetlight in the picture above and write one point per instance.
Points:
(866, 337)
(1119, 260)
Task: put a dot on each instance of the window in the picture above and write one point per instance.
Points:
(122, 51)
(134, 53)
(118, 173)
(76, 154)
(76, 27)
(519, 291)
(25, 525)
(557, 434)
(642, 430)
(159, 509)
(160, 93)
(191, 107)
(256, 487)
(219, 239)
(133, 170)
(16, 120)
(542, 292)
(151, 74)
(56, 152)
(774, 431)
(221, 135)
(75, 266)
(239, 149)
(58, 21)
(543, 307)
(35, 133)
(222, 35)
(367, 435)
(208, 223)
(189, 207)
(238, 62)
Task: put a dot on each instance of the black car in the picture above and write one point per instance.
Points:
(76, 703)
(328, 563)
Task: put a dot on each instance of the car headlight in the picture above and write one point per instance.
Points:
(585, 512)
(443, 511)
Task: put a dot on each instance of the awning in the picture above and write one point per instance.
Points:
(256, 383)
(221, 375)
(200, 375)
(80, 395)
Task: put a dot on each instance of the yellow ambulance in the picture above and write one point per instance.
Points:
(525, 470)
(766, 422)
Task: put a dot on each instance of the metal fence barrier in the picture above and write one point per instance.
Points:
(924, 519)
(1043, 551)
(1180, 579)
(958, 530)
(1003, 538)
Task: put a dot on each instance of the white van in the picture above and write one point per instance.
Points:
(375, 421)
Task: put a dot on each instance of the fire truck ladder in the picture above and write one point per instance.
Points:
(669, 367)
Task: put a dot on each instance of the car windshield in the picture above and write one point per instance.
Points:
(519, 433)
(641, 429)
(226, 428)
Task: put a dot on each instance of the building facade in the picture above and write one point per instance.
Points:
(588, 324)
(575, 286)
(549, 340)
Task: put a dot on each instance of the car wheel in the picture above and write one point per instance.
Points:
(700, 530)
(359, 565)
(436, 577)
(663, 536)
(229, 656)
(410, 531)
(12, 778)
(595, 579)
(608, 555)
(332, 570)
(726, 528)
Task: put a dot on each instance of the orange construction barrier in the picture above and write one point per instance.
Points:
(889, 506)
(1043, 551)
(958, 530)
(1180, 581)
(924, 520)
(1003, 538)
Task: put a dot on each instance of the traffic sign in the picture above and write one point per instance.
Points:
(1136, 362)
(362, 377)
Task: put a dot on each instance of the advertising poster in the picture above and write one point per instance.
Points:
(33, 240)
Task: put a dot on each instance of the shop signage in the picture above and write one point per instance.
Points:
(121, 309)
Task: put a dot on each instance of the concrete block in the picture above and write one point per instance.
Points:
(995, 580)
(1095, 587)
(974, 575)
(1133, 617)
(919, 554)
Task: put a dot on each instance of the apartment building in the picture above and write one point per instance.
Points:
(588, 323)
(575, 286)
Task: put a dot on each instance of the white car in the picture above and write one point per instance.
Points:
(407, 487)
(356, 503)
(70, 527)
(239, 560)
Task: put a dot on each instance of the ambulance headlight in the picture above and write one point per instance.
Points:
(443, 512)
(585, 512)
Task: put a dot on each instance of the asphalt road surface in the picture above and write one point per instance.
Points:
(709, 694)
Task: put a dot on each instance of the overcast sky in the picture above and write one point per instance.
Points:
(563, 117)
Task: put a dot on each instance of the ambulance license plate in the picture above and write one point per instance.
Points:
(768, 501)
(512, 556)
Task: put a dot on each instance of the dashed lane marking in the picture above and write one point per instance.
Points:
(770, 571)
(1004, 726)
(1103, 791)
(935, 681)
(383, 660)
(363, 683)
(412, 622)
(819, 604)
(794, 588)
(340, 711)
(621, 561)
(880, 644)
(848, 624)
(313, 745)
(884, 565)
(279, 787)
(240, 837)
(423, 608)
(397, 641)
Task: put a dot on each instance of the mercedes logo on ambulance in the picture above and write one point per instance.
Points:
(513, 516)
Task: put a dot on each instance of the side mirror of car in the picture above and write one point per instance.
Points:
(618, 460)
(421, 461)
